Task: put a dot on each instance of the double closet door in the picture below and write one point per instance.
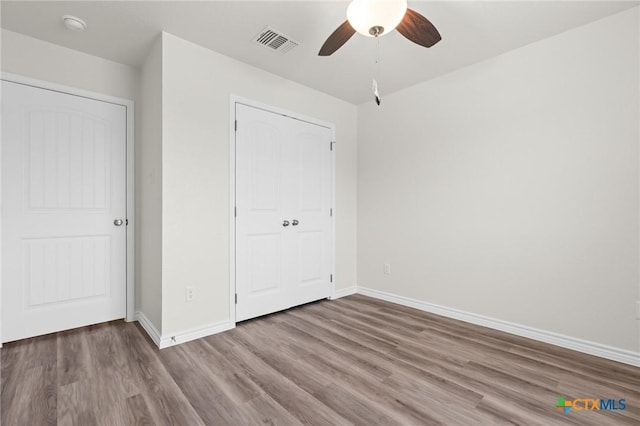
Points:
(283, 212)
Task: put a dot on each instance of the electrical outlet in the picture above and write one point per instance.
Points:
(387, 268)
(189, 293)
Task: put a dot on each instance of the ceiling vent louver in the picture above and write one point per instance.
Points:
(275, 40)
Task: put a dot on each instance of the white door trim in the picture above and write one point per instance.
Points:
(234, 99)
(130, 229)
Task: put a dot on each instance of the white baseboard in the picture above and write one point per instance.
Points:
(148, 327)
(585, 346)
(172, 339)
(337, 294)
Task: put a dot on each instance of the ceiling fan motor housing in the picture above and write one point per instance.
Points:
(376, 30)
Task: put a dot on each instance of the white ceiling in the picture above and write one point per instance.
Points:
(472, 31)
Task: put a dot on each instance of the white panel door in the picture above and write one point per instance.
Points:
(283, 223)
(63, 186)
(260, 260)
(309, 207)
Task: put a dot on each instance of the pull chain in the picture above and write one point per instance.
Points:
(377, 72)
(377, 56)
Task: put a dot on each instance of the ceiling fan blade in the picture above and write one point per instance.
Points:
(335, 41)
(418, 29)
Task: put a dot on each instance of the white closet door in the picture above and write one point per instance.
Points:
(309, 206)
(283, 224)
(261, 272)
(63, 186)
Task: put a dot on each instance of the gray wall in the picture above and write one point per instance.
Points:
(196, 91)
(149, 190)
(509, 189)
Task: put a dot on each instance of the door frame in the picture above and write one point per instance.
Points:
(129, 172)
(235, 99)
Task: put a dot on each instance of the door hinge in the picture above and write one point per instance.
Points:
(126, 222)
(331, 146)
(331, 278)
(235, 212)
(236, 298)
(330, 212)
(236, 125)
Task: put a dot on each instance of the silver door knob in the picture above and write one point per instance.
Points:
(118, 222)
(285, 223)
(295, 222)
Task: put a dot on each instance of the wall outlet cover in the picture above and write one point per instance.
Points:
(189, 294)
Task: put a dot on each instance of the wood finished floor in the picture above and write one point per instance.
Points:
(354, 360)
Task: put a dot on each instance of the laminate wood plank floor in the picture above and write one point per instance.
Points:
(355, 360)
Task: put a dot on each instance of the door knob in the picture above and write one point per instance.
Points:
(285, 223)
(118, 222)
(295, 222)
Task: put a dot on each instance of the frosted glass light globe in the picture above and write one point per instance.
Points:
(366, 14)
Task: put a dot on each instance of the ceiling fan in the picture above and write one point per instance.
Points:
(374, 18)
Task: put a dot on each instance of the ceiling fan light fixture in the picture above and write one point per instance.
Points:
(374, 18)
